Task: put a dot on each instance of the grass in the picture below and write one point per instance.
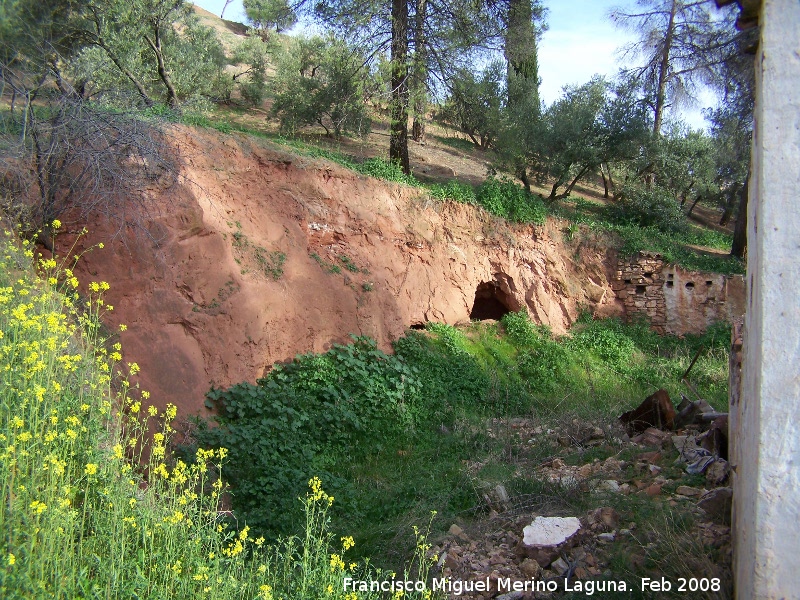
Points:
(93, 503)
(676, 247)
(451, 441)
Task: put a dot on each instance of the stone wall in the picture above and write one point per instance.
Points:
(640, 286)
(675, 300)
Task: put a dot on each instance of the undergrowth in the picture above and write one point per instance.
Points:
(392, 432)
(674, 246)
(93, 503)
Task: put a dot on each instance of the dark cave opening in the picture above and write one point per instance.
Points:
(490, 302)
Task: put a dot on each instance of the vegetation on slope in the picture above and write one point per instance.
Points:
(391, 433)
(92, 501)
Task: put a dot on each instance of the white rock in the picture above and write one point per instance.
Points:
(550, 531)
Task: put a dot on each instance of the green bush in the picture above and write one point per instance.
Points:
(648, 206)
(454, 190)
(543, 361)
(504, 198)
(544, 365)
(449, 379)
(607, 339)
(384, 169)
(295, 422)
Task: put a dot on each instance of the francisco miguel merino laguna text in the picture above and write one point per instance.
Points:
(504, 584)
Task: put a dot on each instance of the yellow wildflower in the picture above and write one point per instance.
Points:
(265, 592)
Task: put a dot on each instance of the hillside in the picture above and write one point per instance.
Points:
(262, 254)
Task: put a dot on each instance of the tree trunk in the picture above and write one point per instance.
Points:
(523, 177)
(568, 190)
(398, 137)
(663, 71)
(611, 185)
(155, 45)
(419, 92)
(691, 208)
(605, 181)
(730, 204)
(739, 246)
(148, 101)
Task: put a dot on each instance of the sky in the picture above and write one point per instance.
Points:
(580, 42)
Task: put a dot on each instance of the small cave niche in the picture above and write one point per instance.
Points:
(418, 326)
(670, 284)
(640, 290)
(490, 302)
(628, 281)
(709, 283)
(689, 285)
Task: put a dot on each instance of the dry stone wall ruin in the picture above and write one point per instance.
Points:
(675, 300)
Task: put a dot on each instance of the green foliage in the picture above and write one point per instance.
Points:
(267, 14)
(475, 103)
(296, 422)
(322, 81)
(252, 54)
(387, 170)
(450, 377)
(607, 339)
(648, 206)
(454, 190)
(329, 267)
(348, 263)
(195, 119)
(503, 198)
(543, 362)
(117, 55)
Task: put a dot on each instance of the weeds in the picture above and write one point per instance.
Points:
(269, 262)
(349, 264)
(326, 266)
(92, 501)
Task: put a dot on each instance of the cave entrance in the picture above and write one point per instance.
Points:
(490, 302)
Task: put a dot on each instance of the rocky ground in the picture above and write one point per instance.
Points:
(647, 517)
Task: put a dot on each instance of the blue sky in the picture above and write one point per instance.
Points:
(580, 42)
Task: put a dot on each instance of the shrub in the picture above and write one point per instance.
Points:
(449, 379)
(607, 339)
(648, 206)
(503, 198)
(384, 169)
(543, 361)
(544, 365)
(295, 421)
(454, 190)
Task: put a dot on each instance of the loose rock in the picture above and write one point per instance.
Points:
(717, 504)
